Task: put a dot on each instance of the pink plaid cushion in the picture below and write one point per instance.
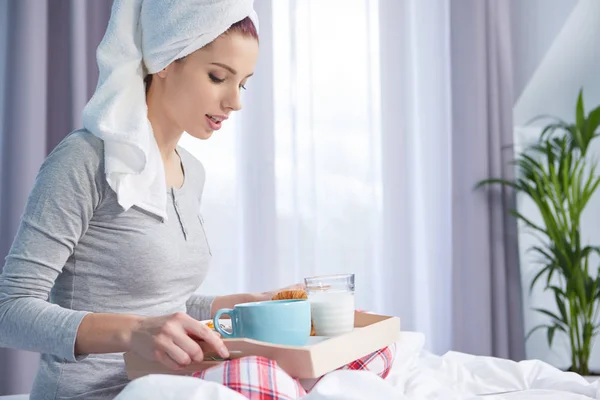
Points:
(259, 378)
(379, 362)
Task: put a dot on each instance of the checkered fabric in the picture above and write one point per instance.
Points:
(259, 378)
(379, 362)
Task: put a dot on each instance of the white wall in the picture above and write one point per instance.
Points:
(535, 25)
(571, 61)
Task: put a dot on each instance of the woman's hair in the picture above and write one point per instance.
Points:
(244, 27)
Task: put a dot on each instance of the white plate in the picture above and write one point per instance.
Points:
(225, 324)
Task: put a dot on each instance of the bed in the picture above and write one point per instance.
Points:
(416, 374)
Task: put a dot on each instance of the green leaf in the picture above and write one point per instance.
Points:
(559, 291)
(579, 284)
(549, 257)
(561, 328)
(528, 222)
(535, 329)
(580, 112)
(493, 181)
(538, 276)
(550, 333)
(590, 289)
(549, 277)
(550, 314)
(588, 330)
(561, 305)
(593, 121)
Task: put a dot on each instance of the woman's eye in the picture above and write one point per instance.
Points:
(242, 86)
(215, 79)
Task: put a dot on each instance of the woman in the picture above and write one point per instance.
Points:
(111, 245)
(93, 271)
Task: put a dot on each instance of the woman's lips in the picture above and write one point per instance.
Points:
(215, 124)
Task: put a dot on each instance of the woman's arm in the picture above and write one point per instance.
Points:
(204, 307)
(106, 333)
(231, 300)
(56, 215)
(168, 339)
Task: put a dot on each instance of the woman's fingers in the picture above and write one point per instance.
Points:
(201, 331)
(169, 340)
(190, 347)
(168, 358)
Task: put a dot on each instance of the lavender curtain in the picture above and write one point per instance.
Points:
(47, 73)
(485, 315)
(487, 308)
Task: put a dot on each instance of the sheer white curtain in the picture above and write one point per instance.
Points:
(340, 161)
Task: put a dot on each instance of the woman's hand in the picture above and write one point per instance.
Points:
(170, 340)
(231, 300)
(270, 294)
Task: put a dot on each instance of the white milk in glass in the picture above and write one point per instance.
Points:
(332, 312)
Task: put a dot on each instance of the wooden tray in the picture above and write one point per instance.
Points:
(372, 332)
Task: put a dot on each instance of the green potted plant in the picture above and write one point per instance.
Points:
(559, 176)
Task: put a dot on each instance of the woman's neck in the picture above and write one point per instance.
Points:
(166, 133)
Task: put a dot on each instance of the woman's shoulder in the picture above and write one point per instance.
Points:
(79, 156)
(81, 144)
(78, 149)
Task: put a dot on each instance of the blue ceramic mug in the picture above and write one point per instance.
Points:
(284, 322)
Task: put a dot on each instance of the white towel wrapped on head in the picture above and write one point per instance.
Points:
(144, 36)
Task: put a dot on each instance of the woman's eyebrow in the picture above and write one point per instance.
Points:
(228, 68)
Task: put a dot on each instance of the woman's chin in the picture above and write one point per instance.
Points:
(201, 134)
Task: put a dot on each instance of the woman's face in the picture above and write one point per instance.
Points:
(200, 92)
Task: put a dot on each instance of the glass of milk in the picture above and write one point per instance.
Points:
(331, 300)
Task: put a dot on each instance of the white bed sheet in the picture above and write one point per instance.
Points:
(418, 374)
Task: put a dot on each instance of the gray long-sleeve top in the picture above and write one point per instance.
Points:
(76, 251)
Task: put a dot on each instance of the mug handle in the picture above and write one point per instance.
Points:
(218, 314)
